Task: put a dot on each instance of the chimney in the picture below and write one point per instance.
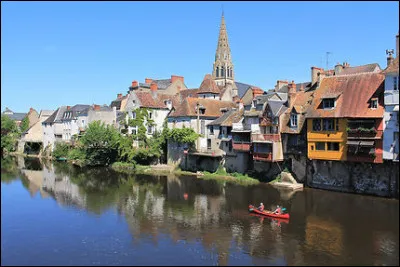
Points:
(280, 84)
(346, 65)
(175, 78)
(257, 91)
(389, 59)
(315, 73)
(148, 80)
(119, 96)
(134, 84)
(68, 107)
(153, 88)
(292, 87)
(338, 68)
(397, 45)
(31, 110)
(96, 107)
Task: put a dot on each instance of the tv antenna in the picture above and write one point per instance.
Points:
(389, 52)
(327, 59)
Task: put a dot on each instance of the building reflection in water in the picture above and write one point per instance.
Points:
(324, 227)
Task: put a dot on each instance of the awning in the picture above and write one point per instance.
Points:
(352, 143)
(396, 108)
(367, 143)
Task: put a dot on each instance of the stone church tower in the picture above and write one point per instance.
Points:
(223, 73)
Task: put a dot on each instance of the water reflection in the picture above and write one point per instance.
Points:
(208, 221)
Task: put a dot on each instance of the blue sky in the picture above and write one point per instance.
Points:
(66, 53)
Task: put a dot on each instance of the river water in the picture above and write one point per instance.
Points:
(57, 214)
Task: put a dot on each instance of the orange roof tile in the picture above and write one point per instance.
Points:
(355, 93)
(212, 107)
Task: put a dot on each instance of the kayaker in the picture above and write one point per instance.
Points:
(278, 210)
(261, 207)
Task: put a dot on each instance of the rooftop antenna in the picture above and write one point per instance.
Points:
(327, 59)
(389, 52)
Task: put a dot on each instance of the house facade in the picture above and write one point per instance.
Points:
(391, 101)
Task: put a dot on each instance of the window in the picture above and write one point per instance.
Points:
(328, 103)
(217, 72)
(133, 115)
(328, 124)
(337, 125)
(150, 129)
(203, 126)
(254, 104)
(204, 96)
(396, 83)
(374, 103)
(211, 129)
(293, 120)
(230, 145)
(150, 115)
(208, 143)
(333, 146)
(319, 146)
(202, 111)
(316, 125)
(83, 122)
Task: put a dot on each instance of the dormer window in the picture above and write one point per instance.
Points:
(202, 111)
(293, 120)
(374, 103)
(254, 104)
(328, 103)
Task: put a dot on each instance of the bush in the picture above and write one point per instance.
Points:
(77, 154)
(61, 150)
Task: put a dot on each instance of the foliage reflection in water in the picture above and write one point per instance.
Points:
(104, 217)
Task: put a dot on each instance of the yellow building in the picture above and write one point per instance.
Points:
(327, 138)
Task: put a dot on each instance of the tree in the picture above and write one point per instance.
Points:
(101, 143)
(9, 134)
(24, 126)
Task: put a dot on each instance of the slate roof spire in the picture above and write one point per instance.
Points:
(223, 67)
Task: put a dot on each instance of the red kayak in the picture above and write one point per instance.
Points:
(268, 213)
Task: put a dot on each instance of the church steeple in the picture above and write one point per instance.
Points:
(223, 68)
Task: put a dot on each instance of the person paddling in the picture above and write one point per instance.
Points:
(261, 207)
(278, 210)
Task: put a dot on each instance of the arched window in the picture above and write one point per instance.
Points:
(231, 72)
(227, 72)
(217, 72)
(222, 72)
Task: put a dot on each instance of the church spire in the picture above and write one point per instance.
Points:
(223, 67)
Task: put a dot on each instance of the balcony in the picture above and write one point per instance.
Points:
(262, 156)
(241, 145)
(208, 152)
(267, 138)
(225, 137)
(239, 127)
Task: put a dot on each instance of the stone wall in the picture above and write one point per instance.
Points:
(354, 177)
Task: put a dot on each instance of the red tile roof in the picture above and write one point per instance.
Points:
(148, 101)
(299, 102)
(209, 86)
(355, 93)
(212, 107)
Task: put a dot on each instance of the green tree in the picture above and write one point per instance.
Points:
(9, 134)
(24, 124)
(101, 143)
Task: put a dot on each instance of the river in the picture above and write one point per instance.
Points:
(58, 214)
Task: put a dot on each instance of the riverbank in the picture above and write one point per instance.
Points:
(166, 169)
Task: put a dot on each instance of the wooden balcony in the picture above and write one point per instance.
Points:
(207, 152)
(241, 146)
(262, 156)
(267, 138)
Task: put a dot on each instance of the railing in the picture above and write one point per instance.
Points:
(262, 156)
(225, 136)
(241, 145)
(265, 137)
(206, 151)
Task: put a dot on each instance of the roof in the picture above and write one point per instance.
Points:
(147, 100)
(16, 116)
(188, 93)
(276, 107)
(393, 67)
(242, 88)
(224, 117)
(360, 69)
(354, 101)
(7, 111)
(212, 107)
(208, 85)
(299, 103)
(117, 102)
(46, 112)
(52, 117)
(76, 110)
